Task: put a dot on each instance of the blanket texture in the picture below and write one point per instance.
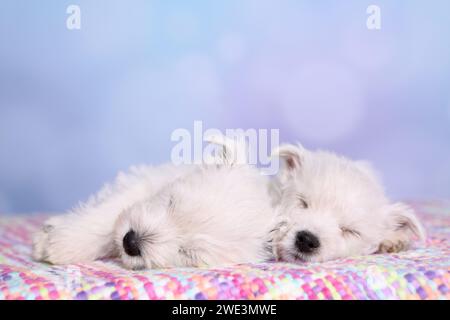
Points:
(420, 273)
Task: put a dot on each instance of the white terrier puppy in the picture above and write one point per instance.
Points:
(167, 216)
(332, 207)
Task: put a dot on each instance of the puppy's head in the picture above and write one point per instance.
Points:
(332, 207)
(197, 218)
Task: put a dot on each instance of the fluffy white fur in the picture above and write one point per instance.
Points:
(341, 202)
(200, 215)
(223, 213)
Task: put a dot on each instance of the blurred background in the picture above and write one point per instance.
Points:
(76, 106)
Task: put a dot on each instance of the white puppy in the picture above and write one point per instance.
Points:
(167, 216)
(332, 207)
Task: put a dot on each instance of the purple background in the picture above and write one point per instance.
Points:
(77, 106)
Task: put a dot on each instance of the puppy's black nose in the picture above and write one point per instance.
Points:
(306, 242)
(131, 244)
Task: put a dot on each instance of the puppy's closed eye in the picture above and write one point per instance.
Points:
(302, 202)
(350, 232)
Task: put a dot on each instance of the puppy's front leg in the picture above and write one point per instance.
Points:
(74, 238)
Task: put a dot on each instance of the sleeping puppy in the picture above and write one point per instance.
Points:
(332, 207)
(168, 216)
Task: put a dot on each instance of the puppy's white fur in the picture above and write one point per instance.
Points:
(200, 215)
(221, 213)
(341, 202)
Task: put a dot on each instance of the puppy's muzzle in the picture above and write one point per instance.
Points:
(306, 242)
(131, 244)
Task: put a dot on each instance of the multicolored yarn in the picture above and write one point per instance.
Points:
(422, 273)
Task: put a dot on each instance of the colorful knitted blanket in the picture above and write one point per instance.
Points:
(420, 273)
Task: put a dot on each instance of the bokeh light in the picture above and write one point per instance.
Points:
(322, 102)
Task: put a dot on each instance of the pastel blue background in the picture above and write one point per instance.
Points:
(77, 106)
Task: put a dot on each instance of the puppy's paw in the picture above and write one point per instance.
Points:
(392, 247)
(42, 240)
(40, 244)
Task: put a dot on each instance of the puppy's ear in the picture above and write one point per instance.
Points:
(291, 155)
(403, 227)
(229, 153)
